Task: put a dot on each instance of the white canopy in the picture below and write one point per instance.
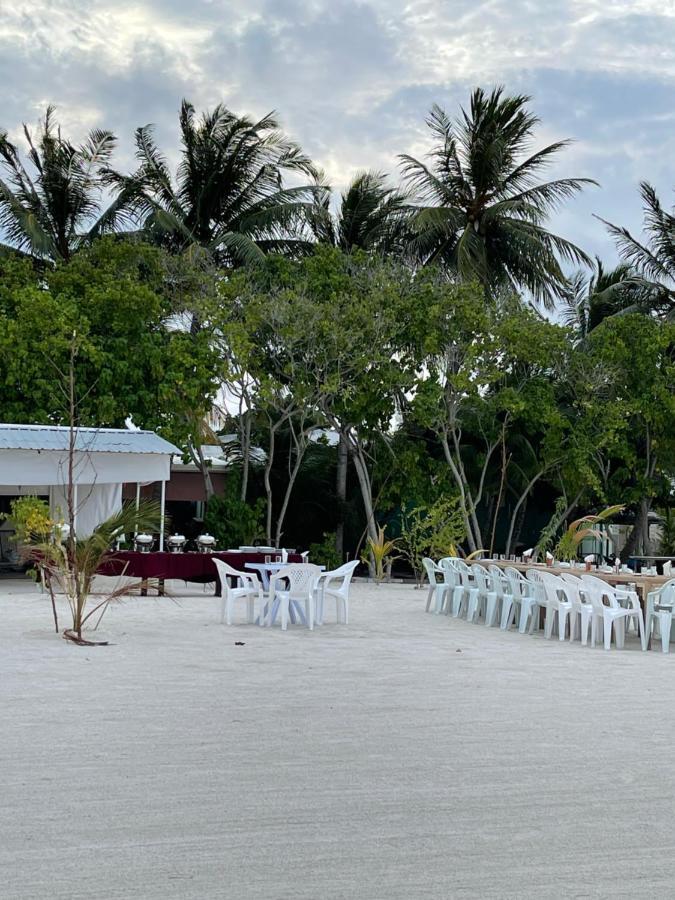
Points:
(35, 459)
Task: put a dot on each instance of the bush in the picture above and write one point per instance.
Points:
(324, 553)
(233, 522)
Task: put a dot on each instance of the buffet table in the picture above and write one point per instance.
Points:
(197, 568)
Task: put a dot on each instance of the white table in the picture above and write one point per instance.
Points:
(266, 570)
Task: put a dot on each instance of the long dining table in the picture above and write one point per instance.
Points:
(157, 567)
(643, 583)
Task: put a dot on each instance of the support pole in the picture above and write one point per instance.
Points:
(138, 503)
(161, 518)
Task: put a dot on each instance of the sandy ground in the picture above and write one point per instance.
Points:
(405, 756)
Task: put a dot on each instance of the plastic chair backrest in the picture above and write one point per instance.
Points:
(499, 579)
(302, 578)
(450, 571)
(345, 572)
(224, 569)
(597, 589)
(431, 569)
(666, 593)
(556, 588)
(537, 582)
(520, 586)
(481, 577)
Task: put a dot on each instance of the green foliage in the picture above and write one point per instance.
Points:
(549, 532)
(667, 541)
(433, 531)
(232, 521)
(323, 553)
(73, 564)
(380, 549)
(483, 207)
(31, 518)
(578, 531)
(119, 299)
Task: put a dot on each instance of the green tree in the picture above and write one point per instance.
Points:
(229, 195)
(370, 215)
(52, 205)
(482, 206)
(123, 301)
(653, 260)
(638, 354)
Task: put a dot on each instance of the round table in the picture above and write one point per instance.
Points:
(266, 569)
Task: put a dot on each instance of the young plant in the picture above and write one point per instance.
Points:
(380, 550)
(567, 547)
(433, 531)
(74, 563)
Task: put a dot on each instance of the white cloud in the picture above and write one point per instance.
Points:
(352, 81)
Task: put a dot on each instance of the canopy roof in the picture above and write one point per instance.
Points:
(90, 440)
(38, 455)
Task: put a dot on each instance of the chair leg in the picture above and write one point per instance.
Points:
(251, 612)
(665, 620)
(223, 605)
(608, 633)
(507, 606)
(430, 594)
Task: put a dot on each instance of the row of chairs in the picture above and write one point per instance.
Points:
(296, 585)
(571, 605)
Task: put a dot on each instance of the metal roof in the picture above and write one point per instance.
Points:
(87, 440)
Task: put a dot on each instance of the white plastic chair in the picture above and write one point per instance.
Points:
(521, 604)
(249, 590)
(453, 581)
(437, 586)
(659, 610)
(484, 597)
(558, 605)
(612, 613)
(582, 611)
(502, 590)
(328, 587)
(466, 593)
(302, 580)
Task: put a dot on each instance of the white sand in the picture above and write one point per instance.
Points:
(374, 761)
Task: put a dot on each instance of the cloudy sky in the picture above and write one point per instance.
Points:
(352, 81)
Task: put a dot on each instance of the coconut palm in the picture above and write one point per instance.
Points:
(597, 295)
(228, 195)
(482, 208)
(653, 260)
(370, 215)
(53, 204)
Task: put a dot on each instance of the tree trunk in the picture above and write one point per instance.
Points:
(520, 502)
(462, 493)
(367, 496)
(299, 456)
(268, 485)
(205, 472)
(635, 545)
(245, 441)
(341, 493)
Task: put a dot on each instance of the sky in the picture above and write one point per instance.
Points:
(353, 81)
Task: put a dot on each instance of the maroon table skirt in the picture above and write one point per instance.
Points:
(196, 567)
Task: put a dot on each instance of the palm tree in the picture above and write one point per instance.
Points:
(229, 195)
(51, 211)
(370, 216)
(597, 295)
(482, 208)
(653, 261)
